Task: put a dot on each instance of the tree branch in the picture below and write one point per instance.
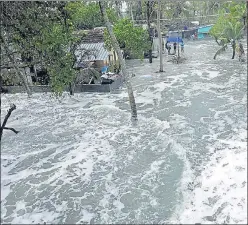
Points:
(12, 108)
(9, 128)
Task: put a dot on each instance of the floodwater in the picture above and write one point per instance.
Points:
(80, 160)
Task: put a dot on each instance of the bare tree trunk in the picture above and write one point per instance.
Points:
(118, 8)
(139, 10)
(131, 11)
(160, 38)
(19, 73)
(28, 75)
(121, 60)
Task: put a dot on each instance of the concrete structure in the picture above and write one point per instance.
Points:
(78, 88)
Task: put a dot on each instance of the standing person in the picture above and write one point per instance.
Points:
(175, 47)
(104, 69)
(241, 51)
(169, 48)
(195, 36)
(166, 45)
(182, 46)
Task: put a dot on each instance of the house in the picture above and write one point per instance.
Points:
(204, 31)
(92, 49)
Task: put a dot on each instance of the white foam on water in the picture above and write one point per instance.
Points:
(148, 96)
(88, 154)
(220, 193)
(36, 217)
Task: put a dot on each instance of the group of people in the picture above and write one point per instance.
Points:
(169, 45)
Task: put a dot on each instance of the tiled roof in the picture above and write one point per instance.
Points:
(96, 51)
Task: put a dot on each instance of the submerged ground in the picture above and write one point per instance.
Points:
(80, 160)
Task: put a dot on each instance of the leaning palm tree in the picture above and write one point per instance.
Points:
(221, 50)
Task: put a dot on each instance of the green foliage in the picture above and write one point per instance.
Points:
(134, 38)
(229, 26)
(88, 16)
(55, 45)
(44, 34)
(236, 10)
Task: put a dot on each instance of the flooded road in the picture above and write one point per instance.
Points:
(80, 160)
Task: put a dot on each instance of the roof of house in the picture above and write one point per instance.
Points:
(94, 36)
(91, 51)
(92, 47)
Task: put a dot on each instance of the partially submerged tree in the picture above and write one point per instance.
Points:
(122, 61)
(11, 109)
(3, 126)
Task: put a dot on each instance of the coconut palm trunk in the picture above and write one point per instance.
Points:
(222, 49)
(121, 60)
(234, 49)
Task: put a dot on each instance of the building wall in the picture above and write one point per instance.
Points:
(205, 29)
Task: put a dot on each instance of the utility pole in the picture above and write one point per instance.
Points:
(160, 37)
(246, 21)
(178, 43)
(148, 12)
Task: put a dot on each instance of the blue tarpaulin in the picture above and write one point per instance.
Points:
(174, 39)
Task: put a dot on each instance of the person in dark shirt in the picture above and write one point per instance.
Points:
(175, 47)
(169, 48)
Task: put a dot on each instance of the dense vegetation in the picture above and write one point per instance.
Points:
(42, 34)
(229, 26)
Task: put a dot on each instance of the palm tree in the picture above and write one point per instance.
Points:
(227, 29)
(233, 33)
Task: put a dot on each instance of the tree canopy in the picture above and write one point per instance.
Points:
(41, 34)
(133, 39)
(88, 16)
(229, 24)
